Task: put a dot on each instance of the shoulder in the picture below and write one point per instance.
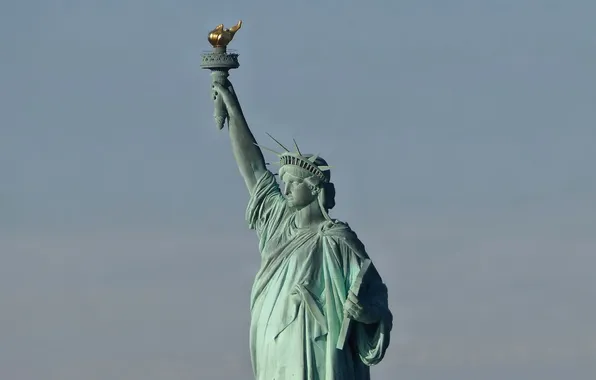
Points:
(265, 179)
(266, 190)
(337, 229)
(341, 234)
(266, 206)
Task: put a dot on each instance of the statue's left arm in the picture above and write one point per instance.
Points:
(370, 337)
(372, 340)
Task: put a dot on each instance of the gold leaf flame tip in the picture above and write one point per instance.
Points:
(221, 37)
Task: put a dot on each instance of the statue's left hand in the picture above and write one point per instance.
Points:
(361, 311)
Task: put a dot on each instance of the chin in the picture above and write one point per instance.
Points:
(291, 204)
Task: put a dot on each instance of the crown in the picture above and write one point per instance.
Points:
(305, 162)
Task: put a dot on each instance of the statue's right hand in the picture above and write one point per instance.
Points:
(229, 98)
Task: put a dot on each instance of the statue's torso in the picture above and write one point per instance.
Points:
(290, 309)
(298, 294)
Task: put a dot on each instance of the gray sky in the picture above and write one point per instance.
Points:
(462, 137)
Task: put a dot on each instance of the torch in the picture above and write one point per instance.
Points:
(220, 61)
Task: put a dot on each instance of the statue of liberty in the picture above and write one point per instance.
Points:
(309, 264)
(319, 308)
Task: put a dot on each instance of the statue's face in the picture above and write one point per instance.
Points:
(297, 192)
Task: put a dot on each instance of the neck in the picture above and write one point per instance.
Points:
(309, 216)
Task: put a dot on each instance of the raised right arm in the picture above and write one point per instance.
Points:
(248, 155)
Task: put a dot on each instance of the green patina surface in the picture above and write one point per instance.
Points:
(316, 312)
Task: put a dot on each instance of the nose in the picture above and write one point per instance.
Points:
(287, 189)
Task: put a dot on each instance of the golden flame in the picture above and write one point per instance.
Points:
(220, 37)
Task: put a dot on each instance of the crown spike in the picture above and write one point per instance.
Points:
(296, 145)
(313, 158)
(324, 167)
(271, 150)
(278, 143)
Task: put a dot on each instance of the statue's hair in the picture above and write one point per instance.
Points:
(329, 200)
(315, 184)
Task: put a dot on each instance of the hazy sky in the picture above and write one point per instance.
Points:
(462, 137)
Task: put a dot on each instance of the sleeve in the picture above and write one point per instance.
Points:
(266, 206)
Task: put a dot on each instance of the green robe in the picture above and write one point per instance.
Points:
(298, 295)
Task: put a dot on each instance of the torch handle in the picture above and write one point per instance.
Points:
(220, 114)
